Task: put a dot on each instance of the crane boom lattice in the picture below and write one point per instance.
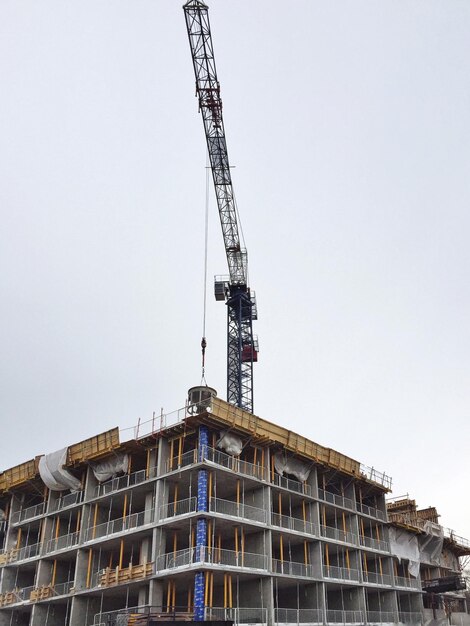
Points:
(241, 345)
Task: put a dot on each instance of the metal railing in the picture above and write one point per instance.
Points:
(181, 507)
(25, 514)
(292, 568)
(62, 542)
(63, 589)
(110, 618)
(371, 511)
(27, 552)
(377, 477)
(292, 485)
(294, 523)
(235, 464)
(410, 617)
(153, 425)
(122, 524)
(407, 583)
(238, 615)
(374, 544)
(375, 578)
(380, 617)
(70, 499)
(177, 462)
(344, 617)
(123, 482)
(212, 556)
(338, 535)
(234, 509)
(333, 498)
(340, 573)
(298, 616)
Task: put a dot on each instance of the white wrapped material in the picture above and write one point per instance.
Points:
(54, 474)
(291, 466)
(430, 544)
(110, 467)
(2, 515)
(229, 442)
(404, 545)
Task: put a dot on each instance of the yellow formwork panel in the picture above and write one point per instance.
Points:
(94, 447)
(261, 429)
(19, 474)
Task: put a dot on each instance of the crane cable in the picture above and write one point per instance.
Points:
(206, 237)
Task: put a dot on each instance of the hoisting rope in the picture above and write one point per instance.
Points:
(206, 236)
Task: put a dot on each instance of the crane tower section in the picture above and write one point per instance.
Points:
(242, 349)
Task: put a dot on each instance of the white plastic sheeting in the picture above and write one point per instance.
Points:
(111, 467)
(430, 544)
(291, 466)
(53, 473)
(230, 443)
(404, 545)
(2, 515)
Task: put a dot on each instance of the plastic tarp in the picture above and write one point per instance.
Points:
(291, 466)
(111, 467)
(230, 443)
(404, 545)
(430, 544)
(53, 473)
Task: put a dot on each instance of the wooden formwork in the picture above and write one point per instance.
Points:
(115, 576)
(19, 474)
(263, 431)
(94, 447)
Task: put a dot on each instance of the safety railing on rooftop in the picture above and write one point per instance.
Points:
(292, 568)
(461, 541)
(63, 502)
(333, 498)
(62, 542)
(407, 583)
(380, 617)
(340, 573)
(370, 473)
(410, 617)
(374, 544)
(212, 556)
(234, 509)
(298, 616)
(344, 617)
(180, 507)
(123, 482)
(29, 513)
(376, 578)
(337, 534)
(294, 523)
(131, 522)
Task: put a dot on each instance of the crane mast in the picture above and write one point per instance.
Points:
(242, 349)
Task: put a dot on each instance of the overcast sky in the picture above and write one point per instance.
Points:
(348, 127)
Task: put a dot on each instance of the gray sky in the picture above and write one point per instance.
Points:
(348, 125)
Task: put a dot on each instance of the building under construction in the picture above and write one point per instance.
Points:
(214, 514)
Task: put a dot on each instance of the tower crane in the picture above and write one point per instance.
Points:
(242, 346)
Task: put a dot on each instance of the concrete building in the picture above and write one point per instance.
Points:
(210, 513)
